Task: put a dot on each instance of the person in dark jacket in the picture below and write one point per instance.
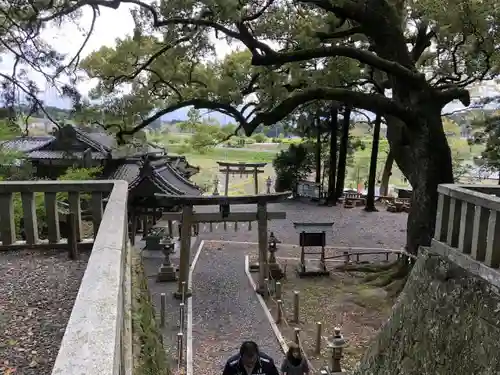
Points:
(294, 363)
(250, 361)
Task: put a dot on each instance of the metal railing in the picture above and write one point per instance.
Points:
(97, 339)
(468, 219)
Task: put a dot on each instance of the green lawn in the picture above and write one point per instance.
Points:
(357, 172)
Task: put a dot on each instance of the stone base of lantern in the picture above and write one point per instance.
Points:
(254, 267)
(167, 273)
(275, 271)
(311, 271)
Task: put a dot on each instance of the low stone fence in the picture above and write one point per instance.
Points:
(98, 336)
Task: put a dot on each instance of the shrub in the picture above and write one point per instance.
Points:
(259, 138)
(291, 165)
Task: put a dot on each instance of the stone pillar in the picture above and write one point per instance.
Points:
(133, 229)
(256, 180)
(226, 182)
(263, 262)
(145, 225)
(185, 250)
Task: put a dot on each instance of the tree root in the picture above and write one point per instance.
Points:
(390, 276)
(398, 272)
(367, 268)
(396, 287)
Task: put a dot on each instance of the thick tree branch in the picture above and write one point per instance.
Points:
(196, 103)
(370, 102)
(324, 36)
(366, 57)
(447, 96)
(422, 40)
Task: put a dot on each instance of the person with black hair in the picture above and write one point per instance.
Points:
(249, 361)
(294, 363)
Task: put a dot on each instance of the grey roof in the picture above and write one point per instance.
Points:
(104, 139)
(154, 148)
(97, 141)
(26, 144)
(52, 155)
(159, 172)
(126, 172)
(182, 184)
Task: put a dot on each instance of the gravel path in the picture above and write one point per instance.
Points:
(225, 310)
(352, 227)
(37, 292)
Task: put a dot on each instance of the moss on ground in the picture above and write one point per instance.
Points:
(149, 355)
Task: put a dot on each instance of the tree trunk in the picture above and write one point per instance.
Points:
(318, 150)
(370, 197)
(332, 199)
(344, 140)
(423, 155)
(384, 184)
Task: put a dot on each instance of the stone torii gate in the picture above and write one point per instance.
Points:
(241, 168)
(188, 217)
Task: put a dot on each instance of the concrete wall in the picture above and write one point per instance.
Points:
(446, 321)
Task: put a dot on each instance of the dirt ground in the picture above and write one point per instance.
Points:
(341, 300)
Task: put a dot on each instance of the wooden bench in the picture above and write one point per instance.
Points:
(352, 200)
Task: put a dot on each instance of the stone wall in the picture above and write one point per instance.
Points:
(446, 321)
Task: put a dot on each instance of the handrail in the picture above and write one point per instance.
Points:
(92, 343)
(468, 219)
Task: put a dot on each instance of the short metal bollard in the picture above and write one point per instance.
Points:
(318, 338)
(279, 312)
(181, 316)
(266, 288)
(296, 307)
(296, 334)
(180, 347)
(183, 291)
(278, 292)
(163, 303)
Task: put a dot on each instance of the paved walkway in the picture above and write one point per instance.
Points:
(352, 227)
(225, 311)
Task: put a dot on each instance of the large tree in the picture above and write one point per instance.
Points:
(426, 52)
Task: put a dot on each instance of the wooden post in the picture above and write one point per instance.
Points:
(277, 292)
(163, 303)
(256, 180)
(296, 307)
(226, 182)
(263, 261)
(185, 249)
(318, 338)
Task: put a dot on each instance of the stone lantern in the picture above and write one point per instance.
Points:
(167, 269)
(274, 268)
(337, 344)
(268, 184)
(216, 186)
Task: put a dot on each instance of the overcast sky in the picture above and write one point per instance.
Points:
(111, 25)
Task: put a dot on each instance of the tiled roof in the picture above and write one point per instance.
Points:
(104, 139)
(52, 155)
(168, 174)
(153, 148)
(92, 140)
(159, 173)
(126, 172)
(26, 144)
